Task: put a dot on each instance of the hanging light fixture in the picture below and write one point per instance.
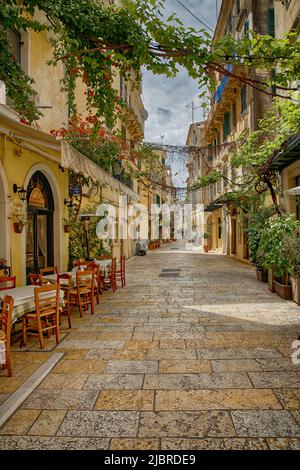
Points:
(22, 192)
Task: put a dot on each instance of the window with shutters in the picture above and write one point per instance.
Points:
(226, 126)
(271, 22)
(14, 39)
(244, 99)
(225, 176)
(246, 28)
(229, 23)
(238, 7)
(233, 112)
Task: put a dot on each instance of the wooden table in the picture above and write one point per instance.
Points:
(24, 300)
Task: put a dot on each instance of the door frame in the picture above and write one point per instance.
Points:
(57, 216)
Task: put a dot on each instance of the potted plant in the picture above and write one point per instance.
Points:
(291, 250)
(205, 244)
(256, 222)
(19, 224)
(67, 226)
(272, 254)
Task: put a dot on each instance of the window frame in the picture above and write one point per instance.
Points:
(243, 96)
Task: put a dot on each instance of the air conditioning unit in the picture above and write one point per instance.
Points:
(2, 93)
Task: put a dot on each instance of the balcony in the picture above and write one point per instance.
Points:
(136, 114)
(221, 101)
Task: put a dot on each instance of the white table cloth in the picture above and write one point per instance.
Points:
(24, 300)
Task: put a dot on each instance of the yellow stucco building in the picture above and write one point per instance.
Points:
(35, 166)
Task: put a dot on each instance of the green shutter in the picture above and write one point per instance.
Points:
(226, 127)
(243, 98)
(271, 22)
(246, 28)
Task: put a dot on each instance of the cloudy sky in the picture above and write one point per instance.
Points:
(165, 98)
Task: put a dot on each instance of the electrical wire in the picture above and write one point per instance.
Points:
(196, 17)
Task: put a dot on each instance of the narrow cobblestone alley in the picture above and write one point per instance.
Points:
(193, 353)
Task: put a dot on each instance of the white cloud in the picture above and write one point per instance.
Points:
(174, 94)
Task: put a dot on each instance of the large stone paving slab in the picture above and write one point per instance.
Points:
(215, 399)
(196, 381)
(184, 363)
(100, 424)
(279, 423)
(188, 424)
(114, 381)
(61, 399)
(52, 443)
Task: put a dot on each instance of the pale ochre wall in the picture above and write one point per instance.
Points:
(285, 16)
(47, 82)
(289, 175)
(16, 169)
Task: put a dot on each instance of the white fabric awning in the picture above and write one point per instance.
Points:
(74, 160)
(293, 191)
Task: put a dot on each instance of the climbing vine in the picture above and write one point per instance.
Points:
(254, 155)
(97, 42)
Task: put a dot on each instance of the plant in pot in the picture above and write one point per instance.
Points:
(256, 222)
(19, 224)
(205, 245)
(68, 224)
(291, 249)
(272, 255)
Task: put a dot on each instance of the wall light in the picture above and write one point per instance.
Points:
(22, 192)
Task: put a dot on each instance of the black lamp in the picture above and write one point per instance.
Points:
(86, 218)
(21, 192)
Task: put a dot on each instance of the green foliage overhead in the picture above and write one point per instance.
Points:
(95, 41)
(213, 177)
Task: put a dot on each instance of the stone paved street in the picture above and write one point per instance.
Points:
(196, 361)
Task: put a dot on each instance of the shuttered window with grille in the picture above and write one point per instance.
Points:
(226, 126)
(244, 99)
(271, 22)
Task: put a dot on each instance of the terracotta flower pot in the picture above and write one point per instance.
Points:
(262, 275)
(283, 290)
(271, 280)
(67, 228)
(295, 282)
(18, 228)
(205, 248)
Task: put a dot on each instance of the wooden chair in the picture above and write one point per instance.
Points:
(46, 315)
(7, 282)
(35, 279)
(83, 295)
(80, 264)
(48, 270)
(66, 286)
(111, 280)
(105, 257)
(98, 281)
(120, 273)
(5, 330)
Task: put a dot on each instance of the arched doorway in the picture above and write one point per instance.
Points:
(39, 232)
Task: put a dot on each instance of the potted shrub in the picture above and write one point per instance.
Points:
(256, 222)
(292, 252)
(272, 254)
(19, 224)
(205, 244)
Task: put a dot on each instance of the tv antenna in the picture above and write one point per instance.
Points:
(193, 107)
